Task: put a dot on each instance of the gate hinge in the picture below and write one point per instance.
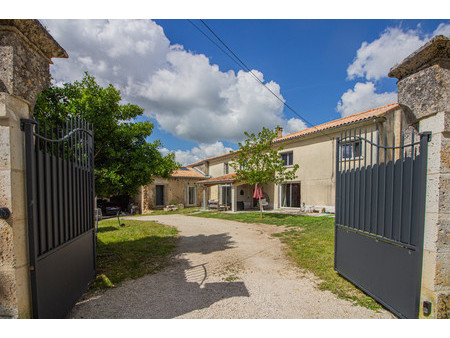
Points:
(26, 121)
(427, 134)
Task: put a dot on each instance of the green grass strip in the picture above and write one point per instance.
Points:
(131, 251)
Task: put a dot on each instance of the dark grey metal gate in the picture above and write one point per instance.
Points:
(61, 230)
(380, 211)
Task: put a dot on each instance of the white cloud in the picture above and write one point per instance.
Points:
(363, 97)
(293, 125)
(199, 153)
(442, 29)
(114, 51)
(373, 60)
(187, 95)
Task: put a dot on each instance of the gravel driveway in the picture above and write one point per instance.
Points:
(222, 269)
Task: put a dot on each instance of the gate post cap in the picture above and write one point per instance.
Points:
(437, 48)
(36, 34)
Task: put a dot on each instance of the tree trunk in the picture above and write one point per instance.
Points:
(260, 206)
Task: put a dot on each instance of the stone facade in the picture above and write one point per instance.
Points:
(25, 52)
(175, 192)
(423, 91)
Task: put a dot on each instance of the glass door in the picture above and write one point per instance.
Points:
(290, 195)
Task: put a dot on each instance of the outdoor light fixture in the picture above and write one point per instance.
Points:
(4, 213)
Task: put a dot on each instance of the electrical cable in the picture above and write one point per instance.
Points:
(241, 64)
(251, 72)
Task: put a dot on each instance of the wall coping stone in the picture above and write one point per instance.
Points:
(37, 35)
(435, 49)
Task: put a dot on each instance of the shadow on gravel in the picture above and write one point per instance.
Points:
(178, 289)
(206, 244)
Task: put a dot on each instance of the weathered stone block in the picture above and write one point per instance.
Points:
(434, 153)
(8, 296)
(443, 235)
(5, 156)
(430, 233)
(432, 194)
(444, 194)
(19, 201)
(442, 270)
(5, 189)
(26, 49)
(443, 306)
(445, 154)
(426, 92)
(6, 245)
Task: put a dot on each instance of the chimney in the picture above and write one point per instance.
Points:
(280, 132)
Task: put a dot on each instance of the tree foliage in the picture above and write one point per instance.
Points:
(258, 160)
(123, 159)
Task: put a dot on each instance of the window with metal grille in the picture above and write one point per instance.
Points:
(351, 150)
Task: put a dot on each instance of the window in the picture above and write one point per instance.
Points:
(287, 159)
(192, 193)
(290, 195)
(351, 150)
(226, 168)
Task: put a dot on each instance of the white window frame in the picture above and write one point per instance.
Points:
(280, 195)
(291, 153)
(350, 146)
(195, 194)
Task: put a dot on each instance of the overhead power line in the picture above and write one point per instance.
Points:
(241, 64)
(248, 69)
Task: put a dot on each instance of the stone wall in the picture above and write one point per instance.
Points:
(175, 191)
(26, 50)
(424, 92)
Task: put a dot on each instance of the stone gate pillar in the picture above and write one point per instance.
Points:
(26, 49)
(424, 93)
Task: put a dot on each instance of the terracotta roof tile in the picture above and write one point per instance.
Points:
(209, 159)
(186, 172)
(359, 117)
(341, 122)
(230, 178)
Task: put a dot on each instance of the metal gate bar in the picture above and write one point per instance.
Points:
(60, 194)
(380, 211)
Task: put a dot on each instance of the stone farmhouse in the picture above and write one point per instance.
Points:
(313, 149)
(181, 188)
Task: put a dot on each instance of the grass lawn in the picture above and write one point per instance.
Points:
(132, 251)
(183, 211)
(310, 243)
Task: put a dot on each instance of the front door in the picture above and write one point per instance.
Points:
(226, 195)
(159, 201)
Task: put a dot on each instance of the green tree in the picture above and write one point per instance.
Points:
(123, 159)
(257, 161)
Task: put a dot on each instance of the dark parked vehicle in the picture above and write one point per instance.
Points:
(108, 208)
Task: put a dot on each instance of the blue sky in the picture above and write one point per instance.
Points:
(201, 102)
